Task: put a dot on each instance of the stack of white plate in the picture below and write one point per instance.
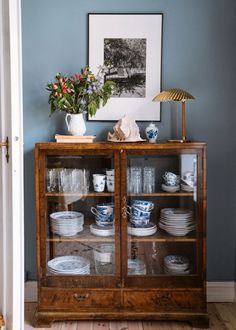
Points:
(177, 221)
(176, 265)
(146, 230)
(170, 189)
(136, 267)
(66, 223)
(69, 265)
(187, 188)
(102, 231)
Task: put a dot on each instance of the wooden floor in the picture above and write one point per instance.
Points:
(222, 317)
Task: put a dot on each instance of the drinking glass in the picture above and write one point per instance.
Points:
(129, 188)
(52, 180)
(65, 180)
(85, 181)
(136, 180)
(104, 259)
(149, 179)
(76, 180)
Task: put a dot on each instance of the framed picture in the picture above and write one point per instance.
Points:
(130, 46)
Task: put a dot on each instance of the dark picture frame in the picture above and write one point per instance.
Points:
(130, 46)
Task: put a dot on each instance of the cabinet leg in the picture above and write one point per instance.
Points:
(40, 321)
(202, 323)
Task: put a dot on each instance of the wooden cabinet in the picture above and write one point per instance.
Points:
(120, 272)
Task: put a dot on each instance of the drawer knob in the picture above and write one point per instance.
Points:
(81, 297)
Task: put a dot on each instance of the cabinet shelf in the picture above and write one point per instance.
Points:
(161, 193)
(87, 236)
(90, 194)
(107, 194)
(163, 238)
(84, 236)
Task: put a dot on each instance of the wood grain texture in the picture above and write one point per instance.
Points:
(228, 314)
(222, 317)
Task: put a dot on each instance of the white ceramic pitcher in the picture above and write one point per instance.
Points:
(76, 124)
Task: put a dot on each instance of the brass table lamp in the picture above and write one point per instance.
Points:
(176, 95)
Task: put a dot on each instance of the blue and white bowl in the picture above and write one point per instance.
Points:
(104, 221)
(136, 212)
(139, 221)
(143, 205)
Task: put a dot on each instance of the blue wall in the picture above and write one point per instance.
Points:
(199, 53)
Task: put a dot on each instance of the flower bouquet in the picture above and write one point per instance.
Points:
(80, 93)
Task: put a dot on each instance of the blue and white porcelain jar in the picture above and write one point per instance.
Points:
(152, 133)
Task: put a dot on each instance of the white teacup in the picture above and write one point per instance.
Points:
(110, 178)
(110, 172)
(188, 177)
(110, 186)
(99, 182)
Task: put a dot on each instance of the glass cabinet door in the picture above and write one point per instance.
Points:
(80, 220)
(163, 218)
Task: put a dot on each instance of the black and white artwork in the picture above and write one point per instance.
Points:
(125, 60)
(129, 45)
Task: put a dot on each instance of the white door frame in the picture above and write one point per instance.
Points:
(11, 197)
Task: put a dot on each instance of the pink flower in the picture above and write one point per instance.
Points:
(64, 89)
(55, 86)
(69, 90)
(77, 76)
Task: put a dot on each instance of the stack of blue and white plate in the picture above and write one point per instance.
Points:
(66, 223)
(69, 265)
(176, 265)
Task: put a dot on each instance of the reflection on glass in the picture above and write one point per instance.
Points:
(80, 216)
(162, 216)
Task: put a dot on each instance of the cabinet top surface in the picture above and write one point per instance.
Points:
(121, 145)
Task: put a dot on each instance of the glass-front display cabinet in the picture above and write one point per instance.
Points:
(121, 231)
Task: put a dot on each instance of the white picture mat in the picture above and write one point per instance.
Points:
(102, 26)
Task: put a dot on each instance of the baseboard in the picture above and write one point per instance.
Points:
(221, 291)
(31, 289)
(216, 291)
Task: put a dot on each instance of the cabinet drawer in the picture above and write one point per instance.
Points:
(73, 299)
(163, 300)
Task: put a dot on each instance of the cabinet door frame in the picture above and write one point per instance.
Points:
(91, 281)
(196, 280)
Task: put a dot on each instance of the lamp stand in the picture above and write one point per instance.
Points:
(183, 122)
(183, 125)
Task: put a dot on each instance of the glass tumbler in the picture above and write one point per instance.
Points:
(136, 180)
(104, 259)
(149, 180)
